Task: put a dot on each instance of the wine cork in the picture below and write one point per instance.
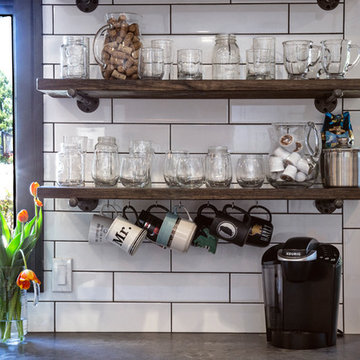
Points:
(298, 146)
(303, 166)
(289, 173)
(293, 158)
(288, 142)
(281, 153)
(275, 164)
(300, 177)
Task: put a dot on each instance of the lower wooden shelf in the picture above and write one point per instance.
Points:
(164, 193)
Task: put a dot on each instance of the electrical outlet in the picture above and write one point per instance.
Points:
(62, 275)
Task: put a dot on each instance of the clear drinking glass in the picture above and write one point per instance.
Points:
(170, 166)
(267, 43)
(190, 172)
(166, 45)
(151, 65)
(105, 167)
(75, 57)
(251, 171)
(218, 169)
(69, 165)
(258, 64)
(189, 64)
(145, 149)
(226, 58)
(134, 171)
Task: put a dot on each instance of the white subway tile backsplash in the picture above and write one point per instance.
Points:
(351, 211)
(170, 111)
(171, 287)
(70, 20)
(41, 317)
(86, 286)
(49, 248)
(246, 288)
(149, 257)
(212, 19)
(112, 317)
(310, 18)
(47, 19)
(305, 206)
(48, 137)
(226, 318)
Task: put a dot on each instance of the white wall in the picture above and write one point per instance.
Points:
(160, 290)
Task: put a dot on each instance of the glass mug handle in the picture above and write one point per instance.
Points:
(353, 46)
(314, 153)
(97, 49)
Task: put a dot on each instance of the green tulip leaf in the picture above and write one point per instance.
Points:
(5, 232)
(13, 246)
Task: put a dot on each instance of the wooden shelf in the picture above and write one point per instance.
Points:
(162, 193)
(199, 89)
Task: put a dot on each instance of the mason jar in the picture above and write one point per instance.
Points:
(105, 167)
(226, 58)
(218, 168)
(75, 57)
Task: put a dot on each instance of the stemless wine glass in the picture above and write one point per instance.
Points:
(134, 171)
(190, 171)
(170, 166)
(151, 65)
(251, 171)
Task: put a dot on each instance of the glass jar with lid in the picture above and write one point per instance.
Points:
(218, 168)
(226, 58)
(105, 167)
(69, 165)
(75, 57)
(117, 45)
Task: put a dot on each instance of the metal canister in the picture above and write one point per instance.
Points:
(340, 167)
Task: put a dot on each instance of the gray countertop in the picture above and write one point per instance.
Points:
(150, 346)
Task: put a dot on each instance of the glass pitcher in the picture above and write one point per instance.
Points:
(116, 46)
(294, 155)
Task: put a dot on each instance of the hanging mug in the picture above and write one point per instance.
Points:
(175, 232)
(99, 226)
(125, 234)
(261, 229)
(151, 222)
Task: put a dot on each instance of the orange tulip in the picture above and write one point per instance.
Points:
(33, 188)
(23, 216)
(38, 202)
(24, 278)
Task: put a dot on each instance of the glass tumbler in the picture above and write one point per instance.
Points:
(258, 63)
(190, 171)
(134, 171)
(166, 45)
(189, 64)
(267, 43)
(105, 167)
(69, 165)
(151, 65)
(218, 169)
(251, 171)
(74, 58)
(170, 166)
(145, 149)
(226, 58)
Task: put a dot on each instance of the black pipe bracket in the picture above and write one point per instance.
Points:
(328, 206)
(328, 4)
(85, 103)
(84, 204)
(87, 5)
(328, 104)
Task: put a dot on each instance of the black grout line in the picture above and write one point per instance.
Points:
(289, 19)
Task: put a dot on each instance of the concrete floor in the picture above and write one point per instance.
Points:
(148, 346)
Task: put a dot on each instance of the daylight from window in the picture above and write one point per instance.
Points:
(6, 120)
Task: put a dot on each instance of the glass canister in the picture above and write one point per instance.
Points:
(105, 167)
(69, 165)
(117, 44)
(294, 156)
(218, 169)
(75, 57)
(226, 58)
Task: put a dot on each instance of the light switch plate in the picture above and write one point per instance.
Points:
(62, 275)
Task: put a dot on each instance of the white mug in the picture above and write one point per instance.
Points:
(126, 235)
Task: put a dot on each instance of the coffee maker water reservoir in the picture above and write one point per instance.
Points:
(301, 281)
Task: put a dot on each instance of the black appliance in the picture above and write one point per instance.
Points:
(301, 281)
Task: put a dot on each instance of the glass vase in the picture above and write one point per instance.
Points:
(13, 307)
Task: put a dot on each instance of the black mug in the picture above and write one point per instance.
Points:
(260, 229)
(150, 222)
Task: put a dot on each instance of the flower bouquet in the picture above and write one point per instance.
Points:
(15, 278)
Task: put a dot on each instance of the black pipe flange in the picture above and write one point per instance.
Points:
(87, 5)
(328, 4)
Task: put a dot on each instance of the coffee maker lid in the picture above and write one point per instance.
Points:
(298, 249)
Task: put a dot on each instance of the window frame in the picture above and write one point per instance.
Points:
(27, 108)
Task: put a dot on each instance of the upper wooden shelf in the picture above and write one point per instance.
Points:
(199, 89)
(165, 193)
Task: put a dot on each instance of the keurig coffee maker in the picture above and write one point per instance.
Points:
(301, 293)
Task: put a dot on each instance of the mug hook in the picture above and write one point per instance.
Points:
(109, 206)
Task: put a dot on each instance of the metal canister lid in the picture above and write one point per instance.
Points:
(341, 150)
